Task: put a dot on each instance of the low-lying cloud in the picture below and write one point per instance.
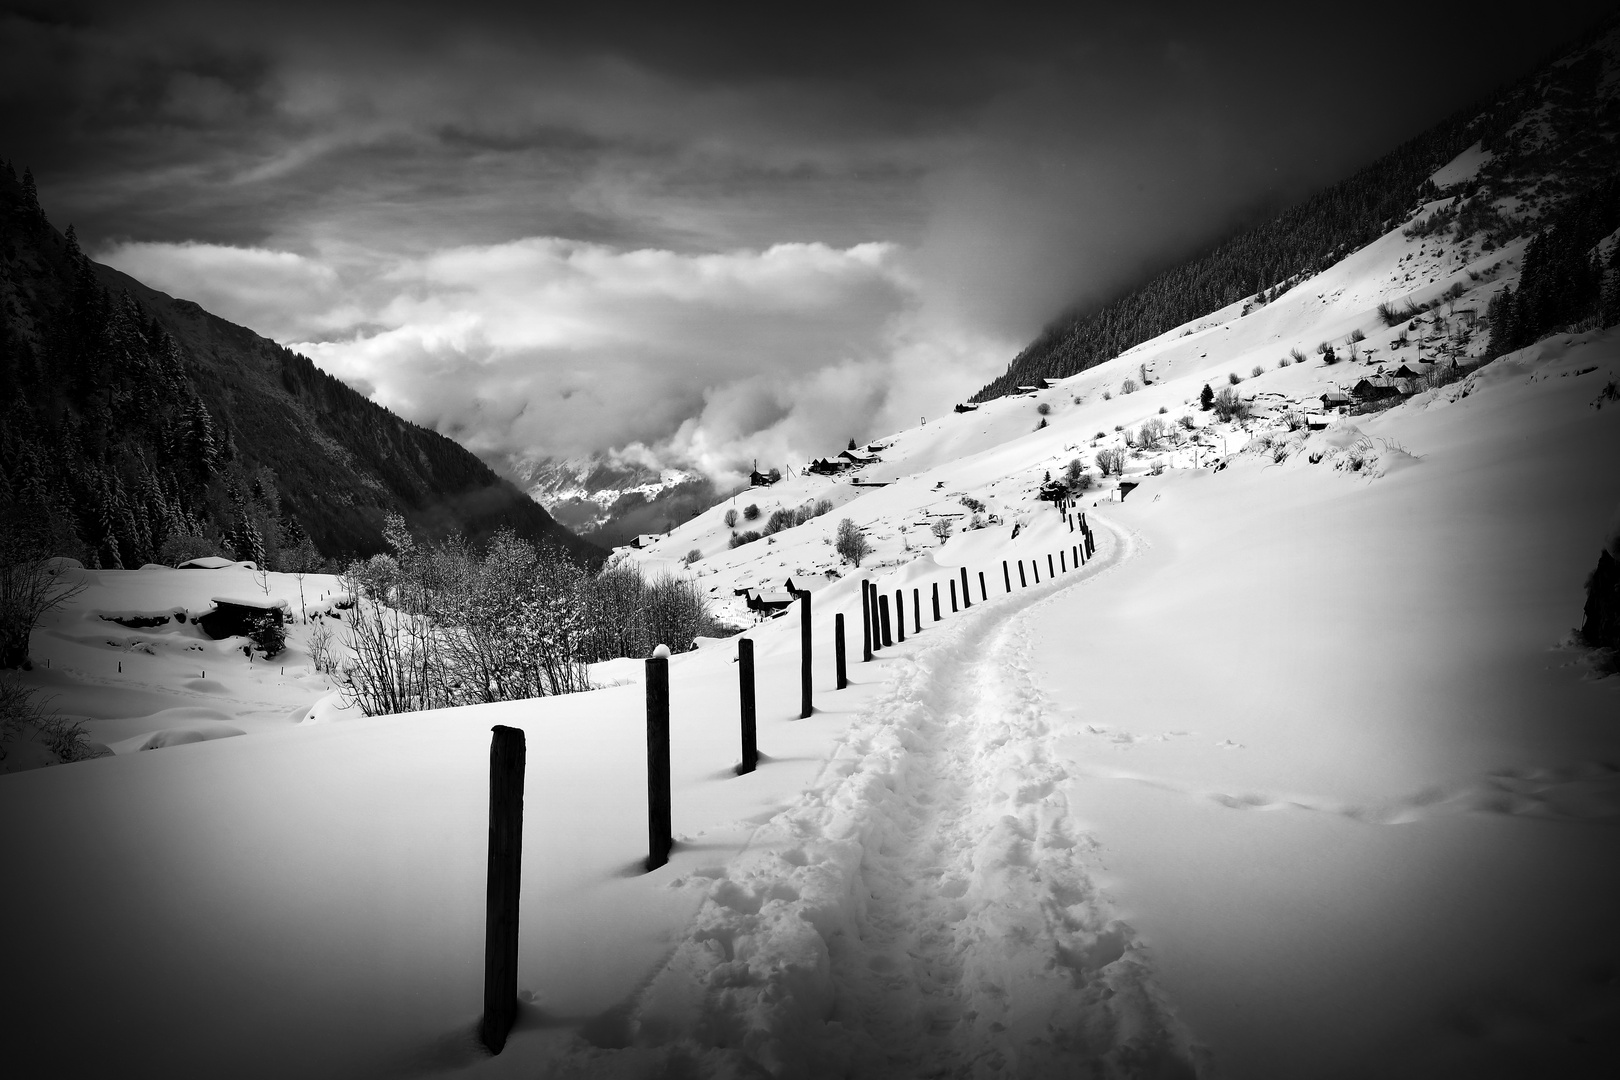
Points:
(551, 347)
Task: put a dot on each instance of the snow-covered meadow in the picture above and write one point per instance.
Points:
(1298, 776)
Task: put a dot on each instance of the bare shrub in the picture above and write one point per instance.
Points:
(941, 528)
(751, 512)
(1234, 378)
(1297, 355)
(1111, 462)
(1228, 406)
(1043, 408)
(31, 582)
(1128, 386)
(1259, 369)
(851, 543)
(731, 518)
(1357, 335)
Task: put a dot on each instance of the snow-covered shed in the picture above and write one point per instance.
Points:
(232, 615)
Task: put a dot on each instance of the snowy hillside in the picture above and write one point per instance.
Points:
(1297, 776)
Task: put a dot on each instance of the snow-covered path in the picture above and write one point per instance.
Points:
(926, 909)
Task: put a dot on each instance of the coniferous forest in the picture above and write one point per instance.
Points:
(138, 428)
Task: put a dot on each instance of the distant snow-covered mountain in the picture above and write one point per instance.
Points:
(610, 498)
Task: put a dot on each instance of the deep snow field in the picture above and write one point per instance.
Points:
(1298, 776)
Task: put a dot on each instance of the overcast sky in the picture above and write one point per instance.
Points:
(704, 236)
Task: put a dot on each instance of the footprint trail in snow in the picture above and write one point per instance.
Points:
(926, 909)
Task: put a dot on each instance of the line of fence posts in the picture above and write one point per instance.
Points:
(508, 755)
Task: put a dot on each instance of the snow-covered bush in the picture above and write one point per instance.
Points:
(1043, 408)
(1128, 386)
(731, 518)
(751, 512)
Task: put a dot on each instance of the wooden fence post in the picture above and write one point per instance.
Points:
(506, 764)
(1023, 582)
(660, 837)
(1035, 568)
(866, 621)
(745, 698)
(1049, 571)
(916, 610)
(1063, 561)
(936, 602)
(877, 623)
(883, 621)
(900, 614)
(984, 594)
(967, 599)
(953, 594)
(1006, 578)
(804, 655)
(838, 648)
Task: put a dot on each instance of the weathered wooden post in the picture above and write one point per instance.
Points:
(900, 614)
(1075, 548)
(804, 655)
(1023, 582)
(866, 621)
(1071, 522)
(745, 697)
(1006, 578)
(660, 838)
(1063, 561)
(506, 763)
(936, 602)
(967, 599)
(916, 610)
(1049, 571)
(1035, 568)
(877, 622)
(838, 648)
(953, 595)
(984, 594)
(883, 618)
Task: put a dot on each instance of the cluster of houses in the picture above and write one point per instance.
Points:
(846, 460)
(1401, 383)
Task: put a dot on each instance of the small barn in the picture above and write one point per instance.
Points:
(644, 540)
(1337, 399)
(769, 600)
(966, 406)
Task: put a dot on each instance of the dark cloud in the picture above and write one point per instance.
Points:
(283, 161)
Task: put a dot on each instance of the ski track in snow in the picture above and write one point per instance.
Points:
(926, 909)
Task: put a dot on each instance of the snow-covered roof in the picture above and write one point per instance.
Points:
(210, 562)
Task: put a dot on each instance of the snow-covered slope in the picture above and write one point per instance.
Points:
(1296, 777)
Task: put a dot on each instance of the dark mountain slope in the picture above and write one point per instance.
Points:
(1552, 134)
(138, 427)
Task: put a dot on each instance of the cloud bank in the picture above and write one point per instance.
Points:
(547, 346)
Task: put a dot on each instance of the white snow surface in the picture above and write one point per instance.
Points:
(1299, 776)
